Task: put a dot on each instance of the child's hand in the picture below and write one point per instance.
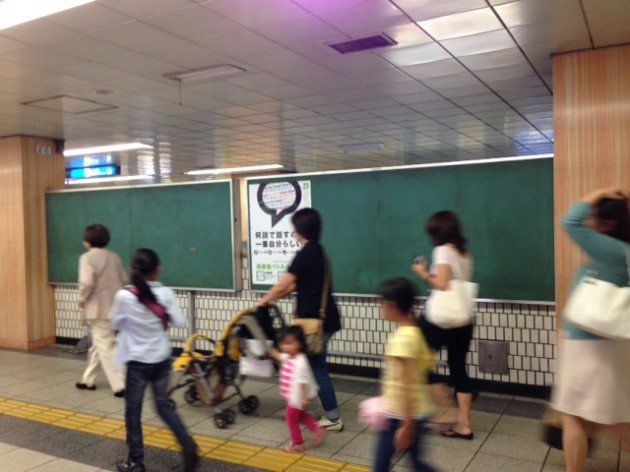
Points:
(273, 353)
(306, 404)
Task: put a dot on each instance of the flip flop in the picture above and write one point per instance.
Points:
(451, 433)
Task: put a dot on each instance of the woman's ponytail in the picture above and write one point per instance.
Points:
(144, 263)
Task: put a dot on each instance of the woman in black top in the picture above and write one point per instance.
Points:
(306, 276)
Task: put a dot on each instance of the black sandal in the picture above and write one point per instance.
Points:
(451, 433)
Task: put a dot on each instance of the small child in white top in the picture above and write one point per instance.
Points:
(297, 387)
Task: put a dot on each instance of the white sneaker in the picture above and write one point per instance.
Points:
(334, 426)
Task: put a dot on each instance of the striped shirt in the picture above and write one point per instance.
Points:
(287, 374)
(295, 375)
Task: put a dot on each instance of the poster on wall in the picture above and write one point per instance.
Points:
(271, 240)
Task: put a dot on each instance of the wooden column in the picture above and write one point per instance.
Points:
(27, 171)
(592, 137)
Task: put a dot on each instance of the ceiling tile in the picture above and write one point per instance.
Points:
(500, 85)
(287, 92)
(186, 55)
(462, 24)
(401, 88)
(305, 29)
(359, 19)
(250, 12)
(140, 64)
(403, 57)
(526, 92)
(567, 34)
(135, 35)
(535, 52)
(435, 69)
(495, 60)
(39, 33)
(191, 23)
(88, 17)
(476, 88)
(87, 47)
(505, 73)
(609, 7)
(417, 55)
(477, 98)
(9, 45)
(381, 77)
(142, 8)
(38, 58)
(543, 66)
(407, 35)
(479, 43)
(609, 30)
(527, 12)
(427, 9)
(374, 103)
(421, 97)
(462, 79)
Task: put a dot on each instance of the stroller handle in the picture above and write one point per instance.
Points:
(188, 346)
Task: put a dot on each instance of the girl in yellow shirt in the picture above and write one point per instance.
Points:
(406, 398)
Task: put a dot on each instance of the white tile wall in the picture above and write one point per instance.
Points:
(529, 330)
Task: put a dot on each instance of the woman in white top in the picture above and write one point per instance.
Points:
(450, 260)
(142, 316)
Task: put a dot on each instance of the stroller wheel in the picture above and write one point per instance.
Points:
(171, 404)
(191, 396)
(230, 416)
(245, 407)
(253, 401)
(219, 421)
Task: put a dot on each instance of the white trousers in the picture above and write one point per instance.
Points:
(103, 353)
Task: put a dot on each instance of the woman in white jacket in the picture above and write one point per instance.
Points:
(101, 275)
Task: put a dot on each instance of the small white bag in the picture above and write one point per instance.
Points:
(453, 307)
(600, 308)
(250, 365)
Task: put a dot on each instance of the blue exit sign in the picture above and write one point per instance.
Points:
(92, 172)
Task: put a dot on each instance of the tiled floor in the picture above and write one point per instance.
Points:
(506, 427)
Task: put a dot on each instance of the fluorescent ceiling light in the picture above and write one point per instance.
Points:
(206, 73)
(103, 180)
(105, 149)
(363, 147)
(16, 12)
(234, 170)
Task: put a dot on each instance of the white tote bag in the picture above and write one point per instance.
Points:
(600, 308)
(453, 307)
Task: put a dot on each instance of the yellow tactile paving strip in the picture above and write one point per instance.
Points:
(214, 448)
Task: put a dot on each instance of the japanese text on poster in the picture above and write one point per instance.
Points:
(271, 240)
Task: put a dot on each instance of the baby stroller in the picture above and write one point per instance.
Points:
(208, 376)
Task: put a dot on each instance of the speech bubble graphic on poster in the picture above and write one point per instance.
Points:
(279, 199)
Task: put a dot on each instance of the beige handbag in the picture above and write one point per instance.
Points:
(314, 327)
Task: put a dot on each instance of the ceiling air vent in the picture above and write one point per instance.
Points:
(363, 44)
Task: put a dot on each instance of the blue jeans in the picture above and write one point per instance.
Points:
(139, 375)
(322, 377)
(385, 448)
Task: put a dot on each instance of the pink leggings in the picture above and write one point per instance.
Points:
(295, 416)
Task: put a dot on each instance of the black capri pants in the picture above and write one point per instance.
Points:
(457, 342)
